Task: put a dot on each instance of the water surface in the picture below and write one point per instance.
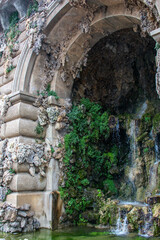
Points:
(71, 234)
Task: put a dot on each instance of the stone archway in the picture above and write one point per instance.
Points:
(71, 31)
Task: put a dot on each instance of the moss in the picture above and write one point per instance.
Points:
(150, 144)
(156, 121)
(156, 229)
(33, 7)
(9, 69)
(142, 137)
(157, 46)
(134, 218)
(109, 213)
(156, 210)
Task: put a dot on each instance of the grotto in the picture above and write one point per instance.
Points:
(79, 119)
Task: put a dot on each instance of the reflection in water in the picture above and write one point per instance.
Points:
(71, 234)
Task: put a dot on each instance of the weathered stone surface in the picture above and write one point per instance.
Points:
(116, 85)
(25, 182)
(15, 224)
(23, 222)
(2, 212)
(153, 200)
(10, 214)
(23, 79)
(3, 192)
(25, 207)
(30, 213)
(36, 223)
(22, 214)
(28, 228)
(15, 230)
(6, 227)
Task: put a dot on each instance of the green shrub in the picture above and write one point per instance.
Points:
(48, 92)
(39, 129)
(9, 69)
(87, 160)
(33, 7)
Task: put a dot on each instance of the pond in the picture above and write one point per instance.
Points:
(78, 233)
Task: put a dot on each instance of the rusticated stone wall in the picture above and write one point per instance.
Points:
(49, 48)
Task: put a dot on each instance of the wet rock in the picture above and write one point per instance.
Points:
(23, 222)
(91, 216)
(30, 214)
(28, 228)
(15, 230)
(18, 219)
(6, 227)
(153, 200)
(30, 221)
(10, 214)
(36, 223)
(22, 214)
(15, 224)
(2, 212)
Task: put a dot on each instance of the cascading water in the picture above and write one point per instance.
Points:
(133, 153)
(157, 150)
(116, 134)
(153, 176)
(154, 168)
(142, 163)
(148, 222)
(122, 225)
(134, 131)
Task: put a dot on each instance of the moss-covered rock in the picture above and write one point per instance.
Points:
(109, 213)
(142, 137)
(135, 218)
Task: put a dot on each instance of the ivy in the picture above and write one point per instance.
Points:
(87, 159)
(39, 129)
(157, 46)
(13, 32)
(48, 92)
(9, 69)
(33, 7)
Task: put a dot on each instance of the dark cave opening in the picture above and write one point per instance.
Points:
(120, 72)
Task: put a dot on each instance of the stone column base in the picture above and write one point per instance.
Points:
(41, 204)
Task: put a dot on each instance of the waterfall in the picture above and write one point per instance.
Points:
(142, 110)
(133, 147)
(153, 177)
(157, 150)
(121, 226)
(148, 222)
(134, 129)
(154, 168)
(116, 134)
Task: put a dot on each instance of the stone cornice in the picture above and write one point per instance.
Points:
(20, 96)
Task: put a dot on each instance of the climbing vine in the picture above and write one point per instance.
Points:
(13, 32)
(87, 159)
(33, 7)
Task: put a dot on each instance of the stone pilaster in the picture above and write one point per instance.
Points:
(156, 35)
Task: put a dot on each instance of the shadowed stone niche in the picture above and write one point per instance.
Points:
(120, 72)
(7, 8)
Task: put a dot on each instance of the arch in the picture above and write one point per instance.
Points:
(103, 24)
(63, 19)
(28, 57)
